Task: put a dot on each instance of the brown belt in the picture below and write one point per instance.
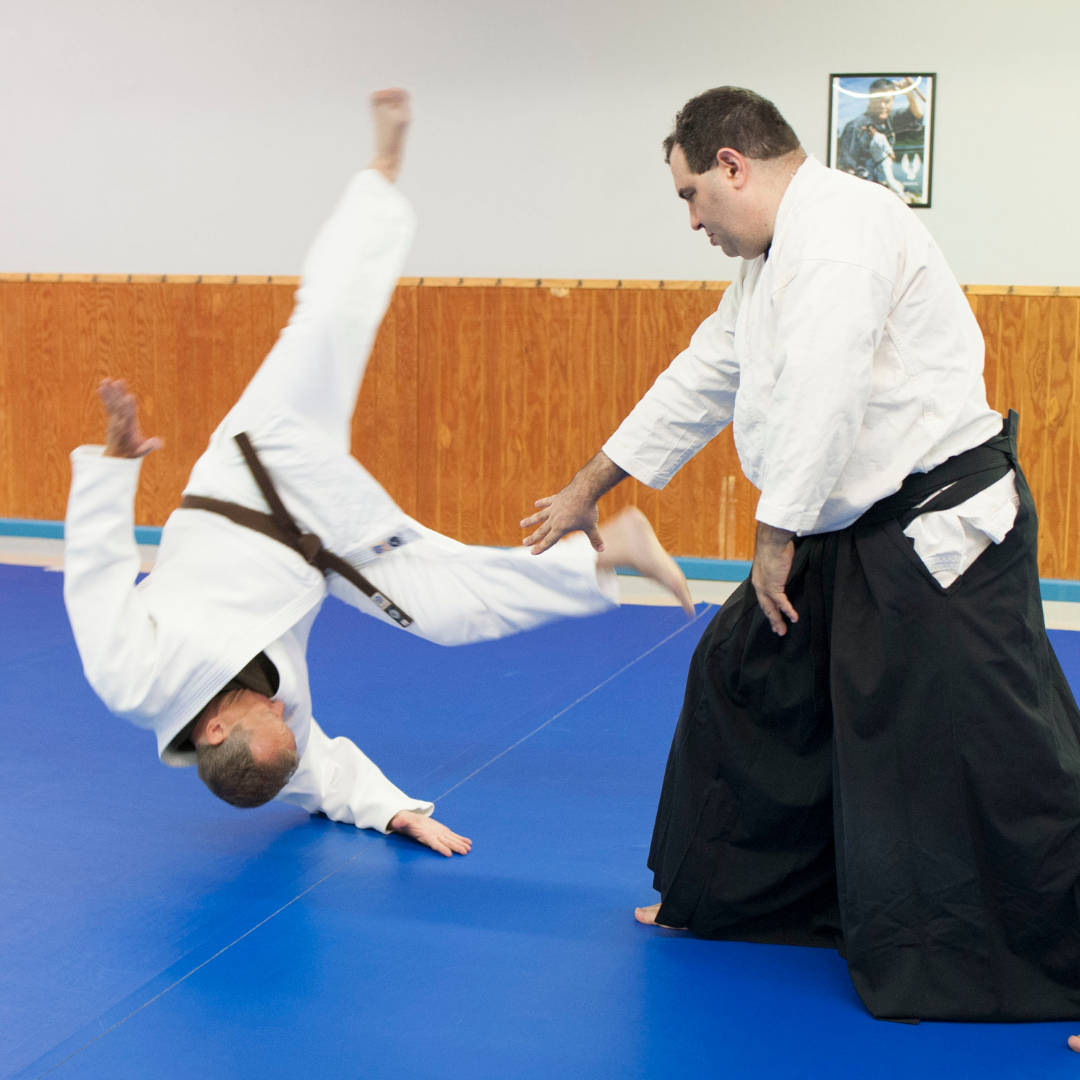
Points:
(279, 525)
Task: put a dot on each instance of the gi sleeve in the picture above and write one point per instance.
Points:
(337, 779)
(114, 632)
(688, 405)
(830, 317)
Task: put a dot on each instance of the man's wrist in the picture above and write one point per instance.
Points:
(598, 476)
(771, 536)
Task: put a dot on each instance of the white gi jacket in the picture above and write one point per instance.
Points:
(220, 593)
(847, 357)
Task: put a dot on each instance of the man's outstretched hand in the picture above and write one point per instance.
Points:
(122, 435)
(430, 833)
(560, 514)
(574, 507)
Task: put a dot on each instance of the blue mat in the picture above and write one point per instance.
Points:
(151, 931)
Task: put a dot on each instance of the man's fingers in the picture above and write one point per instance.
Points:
(787, 608)
(594, 538)
(543, 544)
(772, 613)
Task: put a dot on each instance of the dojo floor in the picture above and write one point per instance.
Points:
(149, 931)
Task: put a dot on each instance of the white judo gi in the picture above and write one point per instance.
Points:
(220, 594)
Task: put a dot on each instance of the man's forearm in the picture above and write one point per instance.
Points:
(597, 477)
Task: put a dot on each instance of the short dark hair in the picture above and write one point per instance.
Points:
(881, 84)
(232, 774)
(729, 116)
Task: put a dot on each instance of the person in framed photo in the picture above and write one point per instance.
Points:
(867, 146)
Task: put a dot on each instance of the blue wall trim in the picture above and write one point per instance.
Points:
(54, 530)
(698, 569)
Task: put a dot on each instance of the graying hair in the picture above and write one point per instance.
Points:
(231, 772)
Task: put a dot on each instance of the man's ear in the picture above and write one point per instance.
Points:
(215, 731)
(209, 731)
(732, 165)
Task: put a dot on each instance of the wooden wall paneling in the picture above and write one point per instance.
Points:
(545, 468)
(498, 506)
(134, 353)
(385, 422)
(687, 506)
(987, 311)
(571, 402)
(176, 367)
(489, 395)
(39, 379)
(1035, 380)
(430, 350)
(1012, 385)
(1053, 503)
(521, 479)
(12, 328)
(1064, 448)
(593, 403)
(626, 388)
(652, 352)
(560, 376)
(466, 371)
(406, 381)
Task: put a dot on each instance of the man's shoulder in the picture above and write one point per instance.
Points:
(841, 217)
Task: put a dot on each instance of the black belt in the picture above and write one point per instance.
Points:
(279, 525)
(967, 474)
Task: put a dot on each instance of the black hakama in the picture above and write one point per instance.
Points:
(898, 776)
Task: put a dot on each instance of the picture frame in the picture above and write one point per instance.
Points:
(891, 146)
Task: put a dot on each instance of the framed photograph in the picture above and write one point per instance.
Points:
(881, 127)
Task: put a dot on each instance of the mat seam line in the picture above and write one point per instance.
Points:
(262, 922)
(198, 967)
(588, 693)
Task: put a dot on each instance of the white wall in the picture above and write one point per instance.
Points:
(211, 135)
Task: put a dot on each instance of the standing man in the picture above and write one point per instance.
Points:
(209, 651)
(877, 748)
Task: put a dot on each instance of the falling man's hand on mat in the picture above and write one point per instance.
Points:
(429, 832)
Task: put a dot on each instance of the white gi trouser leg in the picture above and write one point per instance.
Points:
(298, 409)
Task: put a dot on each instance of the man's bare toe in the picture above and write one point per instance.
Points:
(647, 916)
(1074, 1043)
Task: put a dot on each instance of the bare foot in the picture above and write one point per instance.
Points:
(1074, 1043)
(390, 110)
(629, 541)
(647, 915)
